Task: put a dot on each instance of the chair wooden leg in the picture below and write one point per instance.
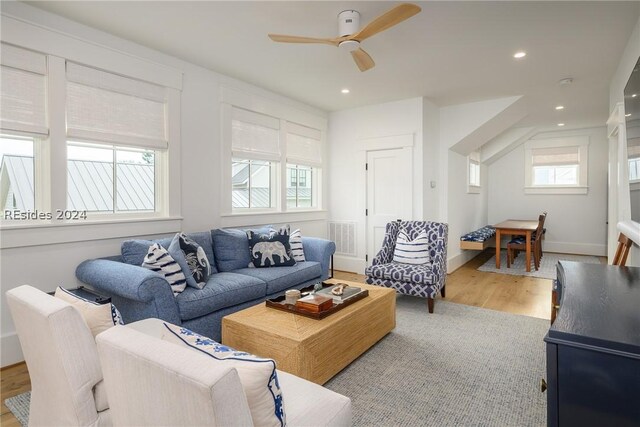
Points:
(508, 258)
(442, 292)
(430, 304)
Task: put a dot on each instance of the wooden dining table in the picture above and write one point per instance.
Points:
(516, 227)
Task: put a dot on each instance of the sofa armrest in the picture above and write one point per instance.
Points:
(132, 283)
(319, 250)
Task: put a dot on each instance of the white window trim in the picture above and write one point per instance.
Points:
(230, 98)
(52, 174)
(473, 158)
(582, 142)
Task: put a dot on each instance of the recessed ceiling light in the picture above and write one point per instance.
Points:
(559, 107)
(628, 115)
(345, 90)
(560, 124)
(519, 55)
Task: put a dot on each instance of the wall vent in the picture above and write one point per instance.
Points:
(344, 234)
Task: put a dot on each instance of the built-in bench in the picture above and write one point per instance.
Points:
(480, 239)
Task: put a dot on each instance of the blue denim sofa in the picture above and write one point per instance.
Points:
(139, 293)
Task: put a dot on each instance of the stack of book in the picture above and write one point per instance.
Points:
(348, 293)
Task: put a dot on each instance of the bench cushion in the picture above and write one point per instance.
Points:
(222, 290)
(485, 233)
(281, 278)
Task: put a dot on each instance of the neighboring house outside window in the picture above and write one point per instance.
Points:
(557, 166)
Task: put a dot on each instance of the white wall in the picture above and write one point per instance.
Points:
(576, 223)
(619, 197)
(47, 266)
(347, 187)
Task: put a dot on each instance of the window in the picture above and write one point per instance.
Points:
(633, 154)
(125, 121)
(251, 180)
(95, 173)
(255, 145)
(473, 172)
(556, 166)
(23, 124)
(299, 186)
(274, 164)
(17, 177)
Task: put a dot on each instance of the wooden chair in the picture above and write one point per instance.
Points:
(519, 244)
(622, 251)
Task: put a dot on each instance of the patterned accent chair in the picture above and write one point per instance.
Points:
(424, 280)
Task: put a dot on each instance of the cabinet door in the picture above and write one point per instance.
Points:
(597, 388)
(552, 385)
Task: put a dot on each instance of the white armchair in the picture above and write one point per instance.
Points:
(61, 354)
(151, 381)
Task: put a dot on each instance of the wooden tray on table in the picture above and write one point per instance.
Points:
(279, 304)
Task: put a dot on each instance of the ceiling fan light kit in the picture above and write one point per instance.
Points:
(350, 34)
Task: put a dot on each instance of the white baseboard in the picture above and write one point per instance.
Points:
(457, 261)
(11, 352)
(350, 264)
(575, 248)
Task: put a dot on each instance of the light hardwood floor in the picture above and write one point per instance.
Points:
(527, 296)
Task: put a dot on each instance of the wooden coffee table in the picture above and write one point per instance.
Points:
(313, 349)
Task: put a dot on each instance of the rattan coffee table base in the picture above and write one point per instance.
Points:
(313, 349)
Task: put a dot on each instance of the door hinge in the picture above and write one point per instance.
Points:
(366, 258)
(366, 212)
(366, 166)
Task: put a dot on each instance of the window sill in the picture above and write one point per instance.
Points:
(50, 233)
(557, 190)
(634, 186)
(473, 189)
(245, 219)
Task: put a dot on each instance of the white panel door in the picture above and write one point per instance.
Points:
(389, 191)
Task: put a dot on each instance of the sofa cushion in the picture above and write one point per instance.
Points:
(403, 272)
(222, 290)
(282, 278)
(231, 248)
(98, 317)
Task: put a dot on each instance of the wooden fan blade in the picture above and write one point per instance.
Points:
(297, 39)
(387, 20)
(363, 60)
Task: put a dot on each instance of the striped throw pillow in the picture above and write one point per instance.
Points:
(295, 240)
(159, 260)
(414, 251)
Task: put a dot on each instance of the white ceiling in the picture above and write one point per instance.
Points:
(452, 52)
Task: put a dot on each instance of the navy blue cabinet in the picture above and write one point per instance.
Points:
(593, 347)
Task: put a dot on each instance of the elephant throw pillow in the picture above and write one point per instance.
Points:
(270, 250)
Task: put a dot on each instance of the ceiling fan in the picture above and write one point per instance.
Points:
(351, 35)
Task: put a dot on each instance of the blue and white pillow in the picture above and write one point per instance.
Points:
(295, 241)
(160, 261)
(258, 376)
(414, 251)
(98, 317)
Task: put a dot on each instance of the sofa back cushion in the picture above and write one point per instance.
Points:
(231, 248)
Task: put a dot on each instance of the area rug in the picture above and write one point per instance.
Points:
(19, 407)
(547, 264)
(460, 366)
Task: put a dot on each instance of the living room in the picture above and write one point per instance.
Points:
(446, 91)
